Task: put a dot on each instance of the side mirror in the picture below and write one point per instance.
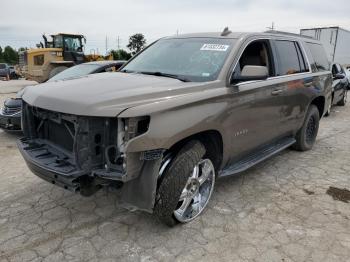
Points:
(338, 76)
(251, 73)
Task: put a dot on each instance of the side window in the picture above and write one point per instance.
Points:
(290, 59)
(319, 55)
(256, 53)
(39, 60)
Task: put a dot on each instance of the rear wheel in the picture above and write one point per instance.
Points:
(186, 185)
(57, 70)
(306, 136)
(344, 99)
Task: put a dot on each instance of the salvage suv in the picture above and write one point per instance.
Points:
(183, 112)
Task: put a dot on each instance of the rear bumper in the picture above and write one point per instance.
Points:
(10, 122)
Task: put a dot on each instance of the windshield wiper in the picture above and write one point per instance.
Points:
(183, 79)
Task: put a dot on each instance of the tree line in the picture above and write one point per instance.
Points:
(8, 55)
(136, 43)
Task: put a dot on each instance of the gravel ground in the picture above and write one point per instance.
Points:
(277, 211)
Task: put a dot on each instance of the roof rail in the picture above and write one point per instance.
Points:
(287, 33)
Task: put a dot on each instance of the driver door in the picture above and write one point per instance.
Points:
(255, 105)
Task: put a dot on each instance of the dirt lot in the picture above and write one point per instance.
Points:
(277, 211)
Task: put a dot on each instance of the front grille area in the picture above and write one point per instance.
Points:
(8, 111)
(82, 139)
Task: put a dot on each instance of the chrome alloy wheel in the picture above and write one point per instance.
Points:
(197, 192)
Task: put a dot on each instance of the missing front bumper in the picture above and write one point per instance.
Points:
(57, 167)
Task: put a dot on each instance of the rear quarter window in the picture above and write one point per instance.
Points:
(319, 56)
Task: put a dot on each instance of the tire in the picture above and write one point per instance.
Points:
(57, 70)
(306, 136)
(343, 101)
(176, 182)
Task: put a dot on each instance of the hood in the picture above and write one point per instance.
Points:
(105, 94)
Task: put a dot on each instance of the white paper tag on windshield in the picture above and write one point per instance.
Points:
(214, 47)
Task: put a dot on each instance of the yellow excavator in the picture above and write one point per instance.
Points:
(52, 57)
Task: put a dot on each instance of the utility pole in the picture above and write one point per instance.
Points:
(177, 32)
(118, 42)
(106, 45)
(272, 26)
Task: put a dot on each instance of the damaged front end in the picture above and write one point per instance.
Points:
(83, 154)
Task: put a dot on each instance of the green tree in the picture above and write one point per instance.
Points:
(136, 43)
(10, 55)
(21, 49)
(1, 56)
(120, 54)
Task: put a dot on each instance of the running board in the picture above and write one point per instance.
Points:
(257, 157)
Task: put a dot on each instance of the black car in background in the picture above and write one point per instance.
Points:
(340, 87)
(10, 114)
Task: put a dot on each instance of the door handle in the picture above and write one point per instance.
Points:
(276, 92)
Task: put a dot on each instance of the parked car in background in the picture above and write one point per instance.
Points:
(339, 87)
(183, 112)
(88, 69)
(10, 114)
(13, 73)
(347, 73)
(4, 71)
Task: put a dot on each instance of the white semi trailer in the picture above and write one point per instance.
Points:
(335, 40)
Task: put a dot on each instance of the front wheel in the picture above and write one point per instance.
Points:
(186, 185)
(306, 136)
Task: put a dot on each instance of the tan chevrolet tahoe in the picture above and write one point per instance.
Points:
(182, 113)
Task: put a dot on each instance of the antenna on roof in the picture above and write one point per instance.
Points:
(226, 31)
(272, 28)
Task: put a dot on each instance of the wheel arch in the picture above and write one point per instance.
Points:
(211, 139)
(320, 103)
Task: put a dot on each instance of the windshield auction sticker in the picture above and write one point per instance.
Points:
(214, 47)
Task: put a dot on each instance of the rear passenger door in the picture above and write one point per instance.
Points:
(292, 80)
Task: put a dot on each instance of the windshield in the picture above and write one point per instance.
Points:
(194, 59)
(75, 71)
(2, 66)
(72, 44)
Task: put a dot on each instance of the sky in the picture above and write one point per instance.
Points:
(22, 22)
